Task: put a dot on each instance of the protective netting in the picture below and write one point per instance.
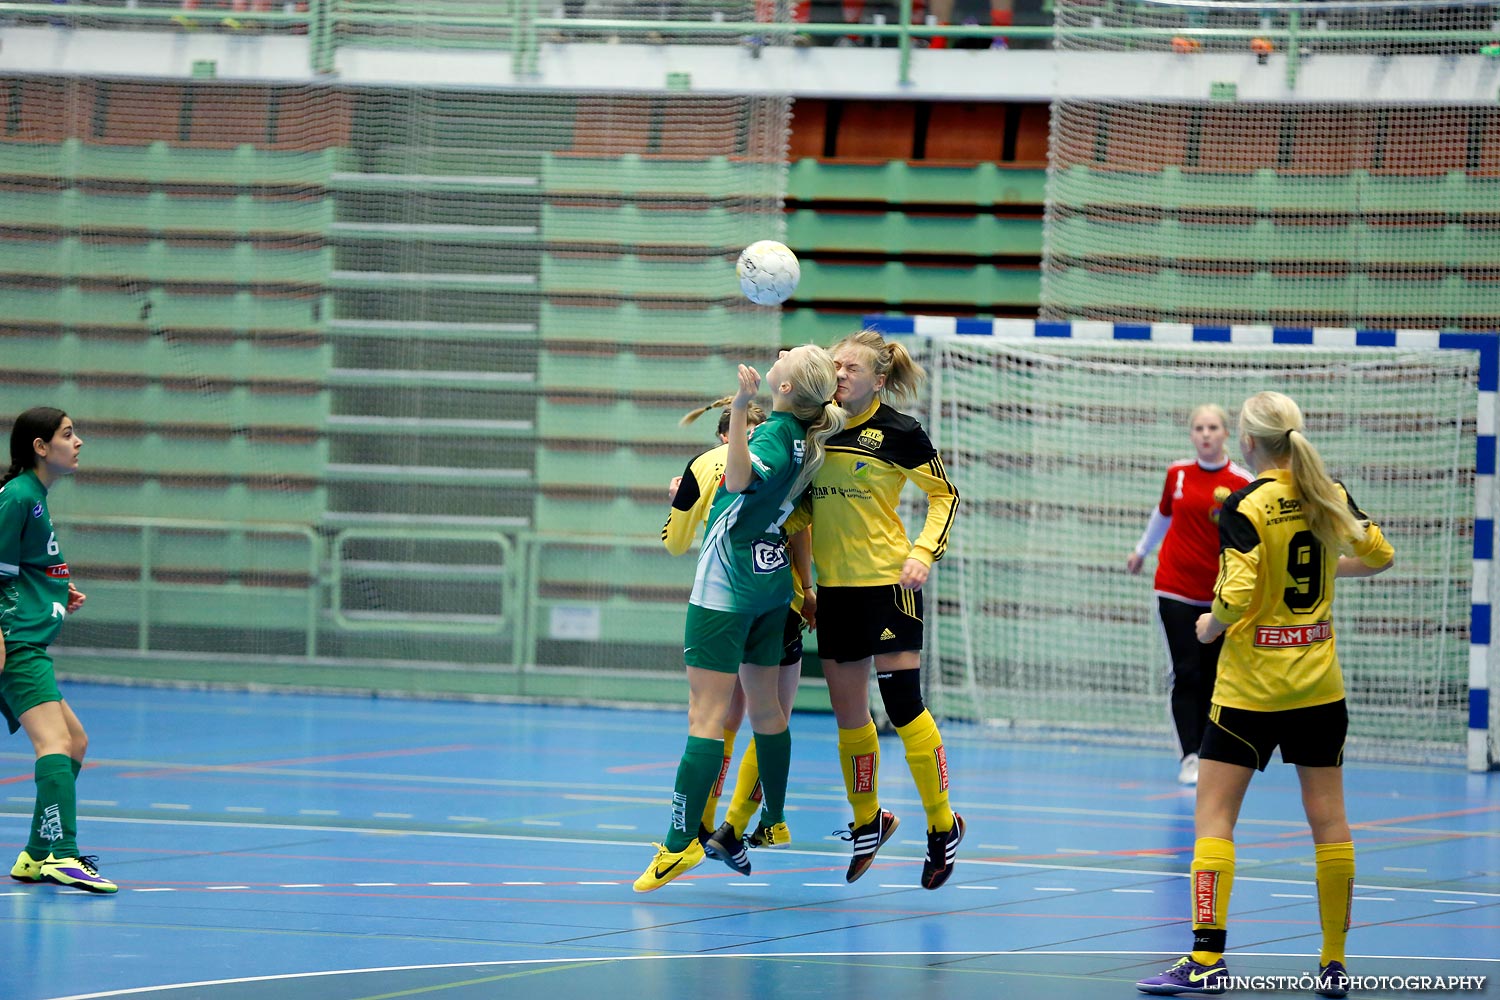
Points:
(1296, 211)
(379, 387)
(1059, 452)
(1341, 26)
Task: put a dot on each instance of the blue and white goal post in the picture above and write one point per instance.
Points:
(1068, 428)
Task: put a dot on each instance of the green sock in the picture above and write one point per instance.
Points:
(775, 753)
(696, 774)
(54, 823)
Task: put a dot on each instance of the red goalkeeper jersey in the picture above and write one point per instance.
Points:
(1191, 497)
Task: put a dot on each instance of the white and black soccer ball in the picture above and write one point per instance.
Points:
(768, 272)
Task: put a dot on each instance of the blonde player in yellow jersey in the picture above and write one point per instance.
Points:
(1282, 541)
(870, 579)
(691, 494)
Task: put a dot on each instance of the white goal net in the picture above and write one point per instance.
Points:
(1059, 449)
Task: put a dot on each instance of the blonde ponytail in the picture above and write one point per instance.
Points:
(814, 381)
(753, 414)
(1274, 422)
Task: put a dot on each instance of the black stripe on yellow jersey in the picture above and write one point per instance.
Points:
(858, 537)
(1275, 588)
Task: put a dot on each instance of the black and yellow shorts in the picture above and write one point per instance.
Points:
(1312, 737)
(858, 622)
(722, 640)
(26, 682)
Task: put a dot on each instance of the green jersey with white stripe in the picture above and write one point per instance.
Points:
(743, 565)
(33, 572)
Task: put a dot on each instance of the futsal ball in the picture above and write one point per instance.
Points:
(768, 272)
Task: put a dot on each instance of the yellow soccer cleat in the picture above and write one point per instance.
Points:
(78, 873)
(668, 865)
(775, 836)
(26, 868)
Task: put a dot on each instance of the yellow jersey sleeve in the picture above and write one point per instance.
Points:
(695, 495)
(1373, 549)
(1239, 563)
(942, 504)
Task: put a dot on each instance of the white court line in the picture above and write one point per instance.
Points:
(98, 802)
(1290, 895)
(366, 885)
(789, 852)
(467, 819)
(1133, 890)
(616, 883)
(170, 805)
(1375, 899)
(301, 885)
(1393, 868)
(245, 809)
(999, 847)
(1466, 902)
(823, 885)
(393, 815)
(463, 883)
(987, 888)
(1052, 888)
(505, 963)
(214, 887)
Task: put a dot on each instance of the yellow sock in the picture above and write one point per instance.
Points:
(859, 758)
(929, 768)
(711, 807)
(747, 794)
(1213, 878)
(1335, 897)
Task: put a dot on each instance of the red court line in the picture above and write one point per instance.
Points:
(1477, 810)
(32, 777)
(331, 758)
(653, 766)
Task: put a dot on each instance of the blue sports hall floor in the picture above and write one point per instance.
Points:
(338, 848)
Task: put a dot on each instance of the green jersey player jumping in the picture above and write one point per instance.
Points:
(737, 611)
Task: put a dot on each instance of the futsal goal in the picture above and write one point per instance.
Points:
(1057, 436)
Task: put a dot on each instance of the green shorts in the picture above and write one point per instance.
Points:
(27, 681)
(722, 640)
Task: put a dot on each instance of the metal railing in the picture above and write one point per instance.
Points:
(522, 28)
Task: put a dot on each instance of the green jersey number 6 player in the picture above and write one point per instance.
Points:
(36, 594)
(737, 611)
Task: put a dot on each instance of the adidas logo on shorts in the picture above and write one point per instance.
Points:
(887, 634)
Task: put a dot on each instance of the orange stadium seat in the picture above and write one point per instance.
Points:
(1239, 139)
(1424, 141)
(135, 114)
(610, 126)
(965, 132)
(809, 128)
(876, 130)
(1033, 122)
